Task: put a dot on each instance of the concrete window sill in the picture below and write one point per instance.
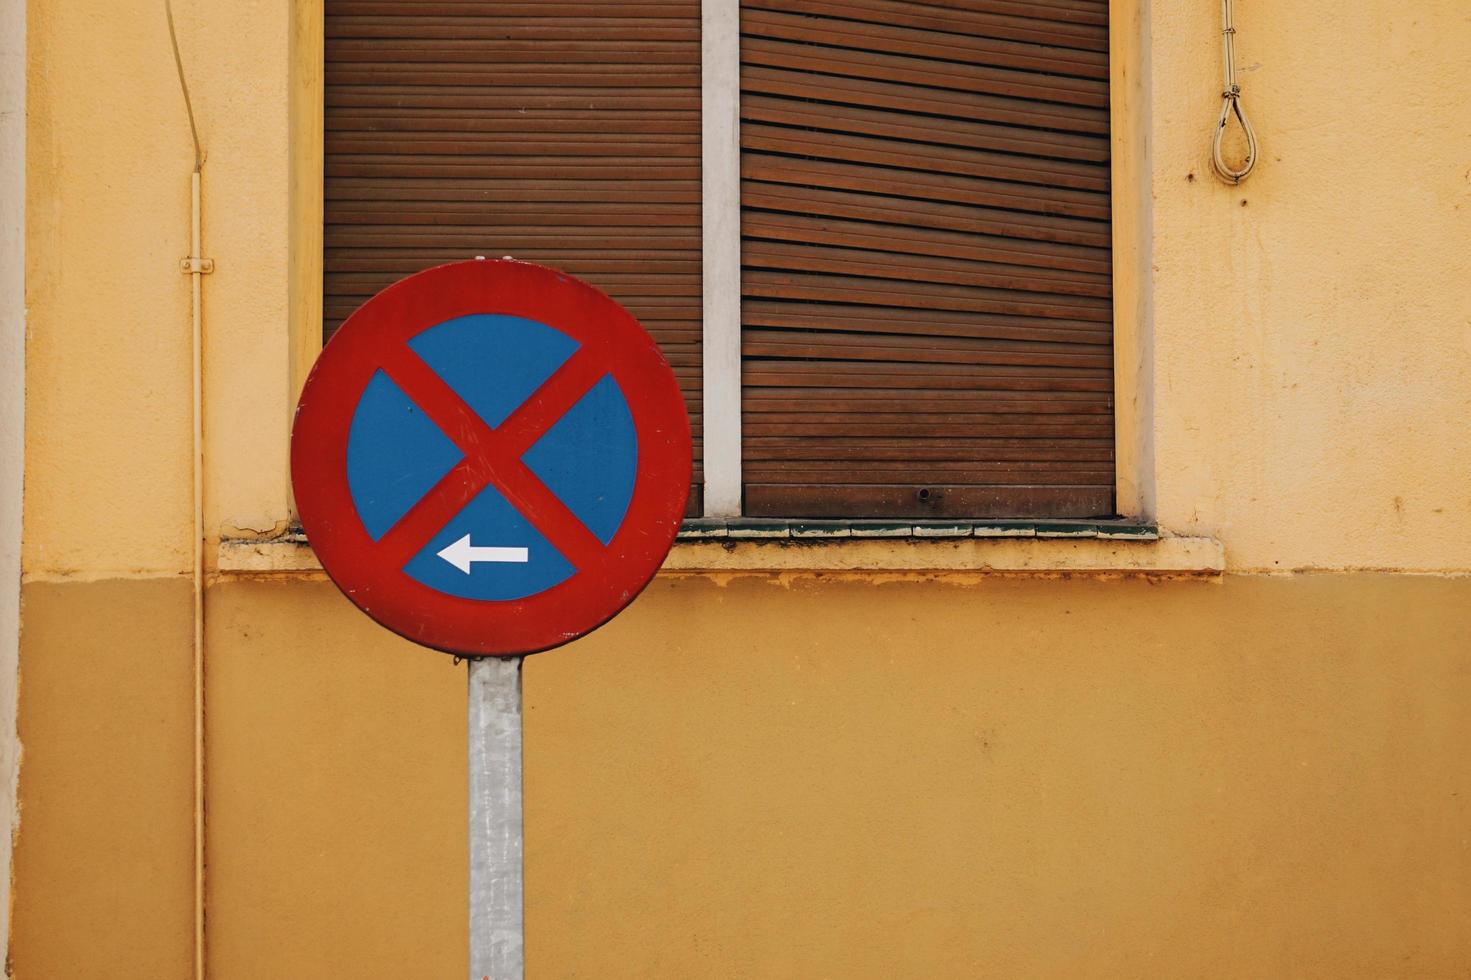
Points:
(973, 547)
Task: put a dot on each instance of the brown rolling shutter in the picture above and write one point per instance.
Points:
(927, 316)
(561, 133)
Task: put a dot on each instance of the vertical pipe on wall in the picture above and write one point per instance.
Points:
(196, 273)
(195, 265)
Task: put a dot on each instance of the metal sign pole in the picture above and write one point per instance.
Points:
(497, 934)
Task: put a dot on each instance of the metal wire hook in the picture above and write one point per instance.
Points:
(1231, 105)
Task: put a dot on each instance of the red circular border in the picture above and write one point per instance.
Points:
(377, 332)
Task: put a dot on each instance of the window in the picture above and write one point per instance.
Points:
(925, 306)
(561, 133)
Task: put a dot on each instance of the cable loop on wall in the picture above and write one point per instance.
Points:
(168, 10)
(1231, 106)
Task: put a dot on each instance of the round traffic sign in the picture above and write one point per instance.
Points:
(491, 458)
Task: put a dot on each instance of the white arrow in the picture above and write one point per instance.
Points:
(462, 554)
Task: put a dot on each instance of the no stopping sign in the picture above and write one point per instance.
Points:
(491, 458)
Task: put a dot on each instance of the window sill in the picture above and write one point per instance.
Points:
(1100, 548)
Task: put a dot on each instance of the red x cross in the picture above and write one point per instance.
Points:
(493, 455)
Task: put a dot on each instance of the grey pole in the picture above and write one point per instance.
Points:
(496, 896)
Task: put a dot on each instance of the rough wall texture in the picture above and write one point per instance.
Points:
(103, 862)
(1259, 778)
(337, 796)
(107, 381)
(1249, 778)
(1312, 331)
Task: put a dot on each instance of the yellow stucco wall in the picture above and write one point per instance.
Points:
(104, 855)
(1259, 775)
(1312, 328)
(1256, 777)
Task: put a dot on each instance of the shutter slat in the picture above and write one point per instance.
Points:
(475, 215)
(920, 268)
(895, 39)
(930, 242)
(1076, 454)
(837, 401)
(925, 129)
(512, 98)
(489, 192)
(506, 121)
(470, 40)
(610, 53)
(972, 105)
(599, 241)
(941, 501)
(560, 133)
(957, 76)
(352, 260)
(815, 203)
(936, 296)
(1001, 475)
(921, 323)
(918, 350)
(457, 11)
(453, 144)
(957, 444)
(925, 157)
(885, 378)
(653, 167)
(1038, 24)
(441, 76)
(1075, 11)
(925, 185)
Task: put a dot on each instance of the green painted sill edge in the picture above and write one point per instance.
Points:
(755, 529)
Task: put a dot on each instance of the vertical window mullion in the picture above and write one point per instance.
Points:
(720, 59)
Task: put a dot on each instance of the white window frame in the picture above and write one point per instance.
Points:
(720, 156)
